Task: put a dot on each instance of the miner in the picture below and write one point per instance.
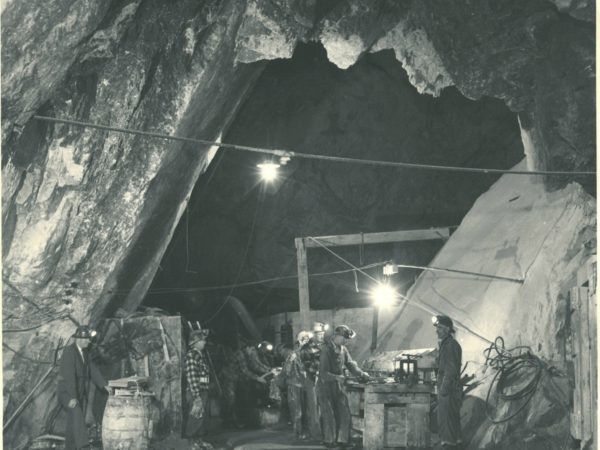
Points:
(448, 383)
(197, 374)
(76, 371)
(241, 382)
(332, 400)
(295, 376)
(310, 354)
(259, 359)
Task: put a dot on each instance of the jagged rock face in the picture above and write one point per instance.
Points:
(87, 213)
(516, 230)
(81, 205)
(310, 106)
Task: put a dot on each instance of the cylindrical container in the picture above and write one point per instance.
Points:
(128, 422)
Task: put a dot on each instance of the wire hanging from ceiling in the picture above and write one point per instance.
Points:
(292, 154)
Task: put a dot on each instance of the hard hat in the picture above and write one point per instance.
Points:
(345, 331)
(320, 327)
(198, 335)
(303, 337)
(266, 346)
(443, 320)
(84, 332)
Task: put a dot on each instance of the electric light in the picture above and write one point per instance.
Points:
(384, 295)
(390, 269)
(268, 171)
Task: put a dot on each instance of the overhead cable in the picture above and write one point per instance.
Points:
(426, 308)
(292, 154)
(247, 283)
(464, 272)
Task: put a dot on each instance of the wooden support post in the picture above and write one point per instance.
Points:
(374, 328)
(303, 283)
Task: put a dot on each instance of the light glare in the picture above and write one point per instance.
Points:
(384, 295)
(268, 171)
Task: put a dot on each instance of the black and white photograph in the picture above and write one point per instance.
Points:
(299, 224)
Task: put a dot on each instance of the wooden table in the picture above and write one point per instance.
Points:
(394, 416)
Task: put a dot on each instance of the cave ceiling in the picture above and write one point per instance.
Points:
(88, 215)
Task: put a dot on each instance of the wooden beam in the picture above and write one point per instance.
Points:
(374, 328)
(378, 238)
(303, 283)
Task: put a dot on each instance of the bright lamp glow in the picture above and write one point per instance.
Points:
(268, 171)
(384, 295)
(390, 269)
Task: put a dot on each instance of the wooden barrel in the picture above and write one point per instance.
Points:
(128, 422)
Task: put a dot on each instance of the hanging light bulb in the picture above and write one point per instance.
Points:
(384, 295)
(268, 170)
(390, 269)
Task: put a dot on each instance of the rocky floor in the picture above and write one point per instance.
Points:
(276, 438)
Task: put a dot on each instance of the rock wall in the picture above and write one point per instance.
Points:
(307, 104)
(87, 215)
(518, 230)
(81, 212)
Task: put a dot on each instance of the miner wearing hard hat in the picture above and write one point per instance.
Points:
(76, 371)
(197, 375)
(448, 383)
(295, 380)
(310, 354)
(332, 400)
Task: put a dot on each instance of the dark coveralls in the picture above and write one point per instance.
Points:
(75, 374)
(449, 391)
(333, 402)
(310, 354)
(259, 367)
(236, 378)
(198, 382)
(295, 379)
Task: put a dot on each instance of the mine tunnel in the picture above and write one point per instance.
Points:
(206, 203)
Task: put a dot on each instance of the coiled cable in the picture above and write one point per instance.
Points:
(509, 362)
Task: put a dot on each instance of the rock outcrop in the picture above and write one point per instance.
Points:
(87, 215)
(519, 231)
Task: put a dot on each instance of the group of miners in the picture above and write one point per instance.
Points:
(312, 378)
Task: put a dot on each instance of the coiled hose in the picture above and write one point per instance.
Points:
(508, 362)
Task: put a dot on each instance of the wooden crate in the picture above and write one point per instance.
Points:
(356, 400)
(396, 416)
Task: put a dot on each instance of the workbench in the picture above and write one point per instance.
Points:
(391, 416)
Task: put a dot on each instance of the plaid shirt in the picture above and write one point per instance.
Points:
(196, 372)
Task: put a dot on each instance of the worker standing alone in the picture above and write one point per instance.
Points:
(198, 381)
(448, 381)
(332, 399)
(76, 370)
